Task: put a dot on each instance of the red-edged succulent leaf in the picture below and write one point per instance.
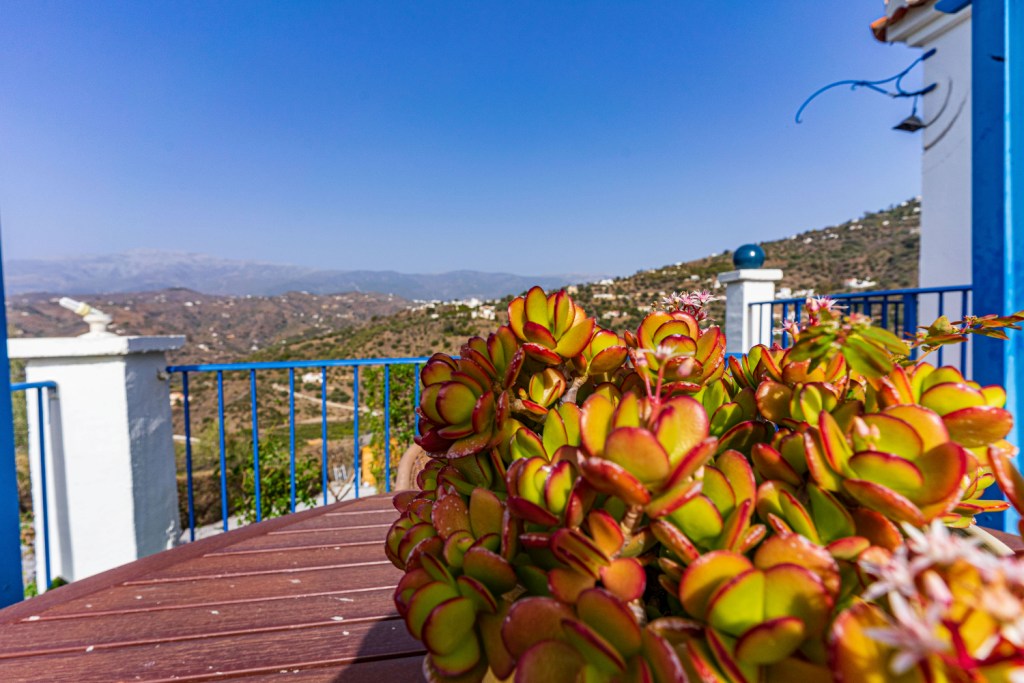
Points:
(738, 604)
(532, 620)
(550, 661)
(448, 624)
(681, 425)
(884, 500)
(485, 510)
(450, 514)
(578, 551)
(675, 540)
(625, 577)
(489, 569)
(888, 470)
(567, 584)
(979, 425)
(877, 528)
(596, 650)
(786, 549)
(605, 532)
(607, 477)
(771, 465)
(705, 575)
(611, 619)
(770, 641)
(638, 451)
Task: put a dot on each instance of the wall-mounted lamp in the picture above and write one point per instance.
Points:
(909, 124)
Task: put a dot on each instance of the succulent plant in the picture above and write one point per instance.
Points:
(636, 507)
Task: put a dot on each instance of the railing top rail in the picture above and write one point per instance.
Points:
(296, 364)
(871, 294)
(22, 386)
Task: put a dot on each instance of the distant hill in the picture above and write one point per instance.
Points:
(879, 250)
(147, 270)
(217, 328)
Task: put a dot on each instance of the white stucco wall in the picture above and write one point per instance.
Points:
(112, 486)
(746, 327)
(946, 142)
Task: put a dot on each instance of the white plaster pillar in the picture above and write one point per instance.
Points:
(746, 327)
(112, 488)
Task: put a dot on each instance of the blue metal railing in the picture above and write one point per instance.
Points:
(252, 369)
(900, 311)
(40, 388)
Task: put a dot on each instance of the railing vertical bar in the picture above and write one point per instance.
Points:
(785, 315)
(942, 311)
(291, 433)
(356, 457)
(42, 482)
(910, 318)
(416, 397)
(255, 445)
(760, 323)
(387, 427)
(188, 459)
(323, 431)
(885, 312)
(963, 346)
(223, 451)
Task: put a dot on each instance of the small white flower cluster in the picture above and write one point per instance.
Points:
(921, 601)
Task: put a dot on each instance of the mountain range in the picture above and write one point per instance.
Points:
(150, 270)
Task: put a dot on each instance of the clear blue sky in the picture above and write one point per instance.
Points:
(531, 137)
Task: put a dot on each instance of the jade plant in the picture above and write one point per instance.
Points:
(640, 507)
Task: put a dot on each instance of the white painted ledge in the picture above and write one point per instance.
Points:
(751, 275)
(85, 347)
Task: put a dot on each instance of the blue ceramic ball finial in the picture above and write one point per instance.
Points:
(748, 256)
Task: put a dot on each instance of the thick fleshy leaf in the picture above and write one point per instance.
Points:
(638, 451)
(558, 486)
(675, 540)
(893, 436)
(489, 569)
(877, 528)
(719, 490)
(608, 360)
(578, 551)
(575, 339)
(705, 575)
(567, 584)
(795, 549)
(611, 619)
(607, 477)
(736, 469)
(822, 472)
(482, 598)
(943, 469)
(928, 425)
(978, 426)
(485, 511)
(459, 666)
(889, 470)
(738, 604)
(595, 423)
(596, 650)
(423, 602)
(884, 500)
(770, 641)
(455, 402)
(831, 518)
(499, 659)
(680, 426)
(662, 659)
(624, 577)
(773, 399)
(532, 620)
(699, 519)
(531, 512)
(771, 465)
(853, 654)
(448, 625)
(951, 396)
(797, 592)
(550, 661)
(450, 514)
(605, 532)
(672, 498)
(833, 442)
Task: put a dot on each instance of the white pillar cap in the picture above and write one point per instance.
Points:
(751, 274)
(90, 347)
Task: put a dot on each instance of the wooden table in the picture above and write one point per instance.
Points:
(306, 597)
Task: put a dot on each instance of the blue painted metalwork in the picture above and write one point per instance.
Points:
(223, 454)
(876, 86)
(187, 371)
(11, 589)
(255, 445)
(895, 309)
(989, 229)
(188, 460)
(748, 256)
(357, 456)
(291, 437)
(951, 6)
(40, 388)
(387, 428)
(323, 431)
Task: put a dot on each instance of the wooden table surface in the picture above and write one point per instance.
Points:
(306, 597)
